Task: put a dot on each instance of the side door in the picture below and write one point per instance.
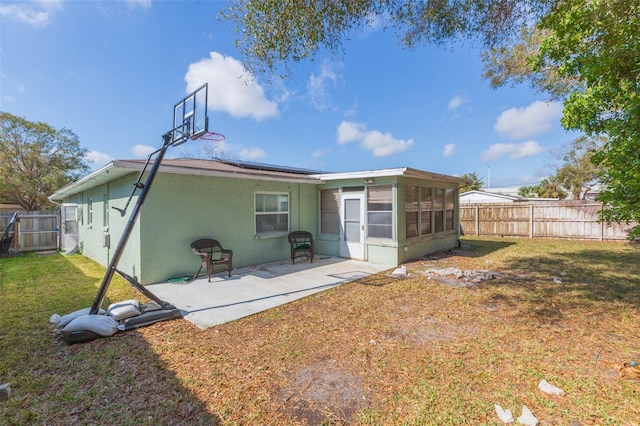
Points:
(352, 229)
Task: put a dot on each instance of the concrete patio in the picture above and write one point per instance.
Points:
(256, 289)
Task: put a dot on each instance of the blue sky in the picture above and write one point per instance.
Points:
(111, 71)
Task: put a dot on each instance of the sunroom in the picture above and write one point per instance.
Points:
(387, 216)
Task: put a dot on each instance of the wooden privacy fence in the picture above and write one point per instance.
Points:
(559, 219)
(35, 231)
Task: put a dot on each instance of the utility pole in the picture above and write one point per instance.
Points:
(489, 178)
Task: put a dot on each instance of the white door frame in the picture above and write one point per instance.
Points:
(352, 248)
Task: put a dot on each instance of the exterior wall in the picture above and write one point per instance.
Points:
(382, 251)
(419, 246)
(91, 237)
(484, 198)
(181, 209)
(398, 249)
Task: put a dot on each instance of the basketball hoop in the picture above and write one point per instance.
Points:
(211, 136)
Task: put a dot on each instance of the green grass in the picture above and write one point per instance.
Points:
(377, 351)
(102, 382)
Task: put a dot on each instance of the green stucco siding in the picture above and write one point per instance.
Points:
(181, 209)
(91, 236)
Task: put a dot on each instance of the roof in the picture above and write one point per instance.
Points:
(186, 166)
(232, 169)
(475, 196)
(10, 207)
(399, 171)
(268, 167)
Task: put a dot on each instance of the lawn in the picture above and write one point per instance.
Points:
(426, 350)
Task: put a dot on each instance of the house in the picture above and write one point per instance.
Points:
(484, 197)
(475, 196)
(384, 216)
(9, 209)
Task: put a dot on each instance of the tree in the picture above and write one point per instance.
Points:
(512, 65)
(474, 184)
(578, 174)
(597, 43)
(550, 188)
(527, 191)
(547, 188)
(36, 160)
(273, 34)
(593, 44)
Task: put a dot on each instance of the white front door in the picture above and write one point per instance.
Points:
(352, 229)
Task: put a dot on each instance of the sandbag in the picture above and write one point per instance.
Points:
(102, 325)
(125, 309)
(61, 321)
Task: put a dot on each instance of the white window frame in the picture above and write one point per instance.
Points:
(256, 213)
(90, 213)
(330, 212)
(370, 225)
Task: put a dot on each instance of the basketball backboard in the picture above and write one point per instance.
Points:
(190, 116)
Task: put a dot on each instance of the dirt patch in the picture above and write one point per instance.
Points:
(322, 392)
(426, 329)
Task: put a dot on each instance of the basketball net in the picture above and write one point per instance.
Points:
(210, 142)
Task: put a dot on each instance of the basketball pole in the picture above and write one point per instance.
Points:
(111, 269)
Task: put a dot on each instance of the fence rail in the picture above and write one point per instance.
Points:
(562, 219)
(35, 231)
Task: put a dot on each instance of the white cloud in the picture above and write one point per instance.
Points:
(132, 4)
(512, 150)
(320, 153)
(380, 144)
(520, 123)
(251, 154)
(231, 88)
(317, 86)
(142, 150)
(352, 111)
(457, 101)
(448, 149)
(224, 149)
(349, 131)
(36, 13)
(97, 157)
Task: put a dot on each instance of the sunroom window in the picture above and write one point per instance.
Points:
(380, 211)
(448, 208)
(411, 211)
(438, 209)
(426, 207)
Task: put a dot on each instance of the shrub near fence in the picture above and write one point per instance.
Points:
(561, 219)
(36, 230)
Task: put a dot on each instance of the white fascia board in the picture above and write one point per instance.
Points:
(360, 175)
(400, 171)
(97, 177)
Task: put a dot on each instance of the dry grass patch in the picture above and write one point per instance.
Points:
(376, 351)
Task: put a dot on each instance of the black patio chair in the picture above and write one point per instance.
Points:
(302, 245)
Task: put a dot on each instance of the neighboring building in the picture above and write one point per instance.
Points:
(473, 197)
(483, 197)
(383, 216)
(10, 208)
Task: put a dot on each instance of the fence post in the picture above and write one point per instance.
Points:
(601, 224)
(477, 221)
(531, 221)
